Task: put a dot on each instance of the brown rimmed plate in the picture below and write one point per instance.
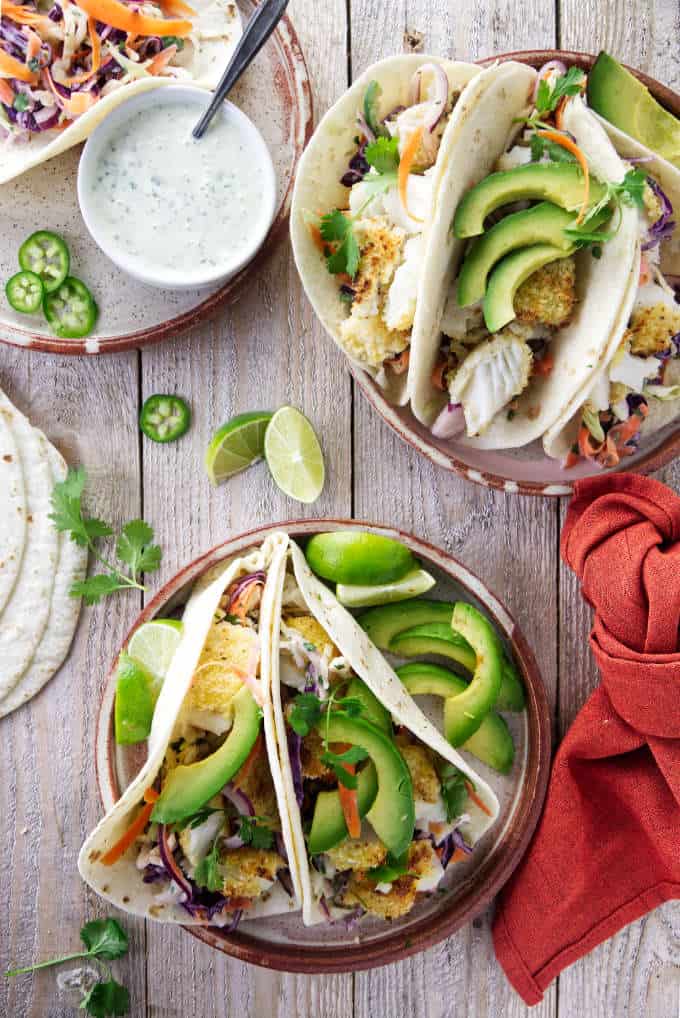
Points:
(285, 943)
(528, 470)
(275, 93)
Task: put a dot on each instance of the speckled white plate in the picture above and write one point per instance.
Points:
(283, 942)
(275, 93)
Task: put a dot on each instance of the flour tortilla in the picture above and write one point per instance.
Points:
(581, 348)
(483, 120)
(63, 613)
(318, 186)
(370, 665)
(203, 60)
(24, 618)
(122, 883)
(13, 511)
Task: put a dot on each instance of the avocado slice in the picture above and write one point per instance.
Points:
(508, 276)
(544, 223)
(189, 786)
(464, 713)
(328, 823)
(559, 183)
(492, 742)
(392, 815)
(371, 708)
(381, 624)
(434, 638)
(512, 696)
(619, 97)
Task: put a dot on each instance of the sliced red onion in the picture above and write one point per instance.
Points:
(55, 13)
(450, 423)
(231, 928)
(280, 845)
(323, 904)
(639, 159)
(237, 588)
(364, 128)
(238, 799)
(47, 118)
(552, 65)
(294, 744)
(441, 92)
(460, 842)
(170, 863)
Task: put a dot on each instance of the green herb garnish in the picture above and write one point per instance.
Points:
(105, 939)
(255, 832)
(20, 102)
(454, 790)
(208, 870)
(133, 547)
(336, 227)
(391, 869)
(544, 146)
(548, 96)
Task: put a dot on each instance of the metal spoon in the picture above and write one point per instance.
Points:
(257, 31)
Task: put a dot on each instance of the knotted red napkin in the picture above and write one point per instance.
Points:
(607, 849)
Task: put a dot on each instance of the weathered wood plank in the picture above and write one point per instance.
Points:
(510, 542)
(48, 795)
(267, 350)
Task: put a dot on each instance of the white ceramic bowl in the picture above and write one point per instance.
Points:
(157, 275)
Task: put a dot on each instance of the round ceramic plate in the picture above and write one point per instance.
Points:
(284, 943)
(275, 93)
(527, 470)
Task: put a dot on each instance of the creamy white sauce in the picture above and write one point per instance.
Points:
(169, 202)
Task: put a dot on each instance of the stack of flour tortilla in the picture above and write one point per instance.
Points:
(37, 564)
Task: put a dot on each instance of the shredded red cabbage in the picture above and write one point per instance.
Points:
(251, 579)
(664, 226)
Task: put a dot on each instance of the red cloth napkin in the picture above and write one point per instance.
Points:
(607, 849)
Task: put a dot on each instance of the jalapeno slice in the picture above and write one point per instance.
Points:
(70, 310)
(164, 418)
(25, 292)
(46, 254)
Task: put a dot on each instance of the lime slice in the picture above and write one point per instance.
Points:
(294, 455)
(356, 595)
(357, 557)
(236, 445)
(153, 645)
(136, 694)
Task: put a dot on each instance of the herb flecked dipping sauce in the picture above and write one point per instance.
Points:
(165, 205)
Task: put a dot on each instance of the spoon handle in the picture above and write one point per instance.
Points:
(257, 31)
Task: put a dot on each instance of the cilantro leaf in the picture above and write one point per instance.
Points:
(208, 870)
(351, 706)
(94, 588)
(104, 938)
(544, 146)
(336, 761)
(254, 831)
(454, 790)
(632, 188)
(305, 714)
(547, 97)
(199, 817)
(21, 102)
(383, 155)
(135, 549)
(67, 513)
(336, 227)
(393, 868)
(106, 999)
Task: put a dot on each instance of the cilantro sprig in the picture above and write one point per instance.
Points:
(454, 790)
(337, 227)
(393, 868)
(548, 96)
(629, 192)
(308, 711)
(105, 940)
(208, 872)
(134, 547)
(254, 831)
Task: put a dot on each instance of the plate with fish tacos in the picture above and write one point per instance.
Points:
(323, 747)
(65, 68)
(536, 257)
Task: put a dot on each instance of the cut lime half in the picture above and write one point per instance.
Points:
(236, 445)
(366, 596)
(294, 455)
(136, 694)
(153, 645)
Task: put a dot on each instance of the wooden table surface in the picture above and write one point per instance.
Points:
(265, 351)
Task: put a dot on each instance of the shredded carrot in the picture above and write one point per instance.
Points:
(11, 68)
(585, 444)
(116, 14)
(34, 43)
(475, 798)
(571, 459)
(458, 856)
(399, 364)
(438, 372)
(23, 15)
(162, 59)
(247, 765)
(621, 434)
(134, 830)
(543, 367)
(177, 7)
(559, 112)
(96, 58)
(348, 798)
(565, 142)
(645, 272)
(405, 164)
(7, 95)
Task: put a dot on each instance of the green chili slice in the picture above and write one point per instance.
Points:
(25, 292)
(46, 254)
(164, 418)
(70, 310)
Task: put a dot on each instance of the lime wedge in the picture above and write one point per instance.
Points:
(365, 596)
(358, 557)
(153, 645)
(136, 694)
(236, 445)
(294, 455)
